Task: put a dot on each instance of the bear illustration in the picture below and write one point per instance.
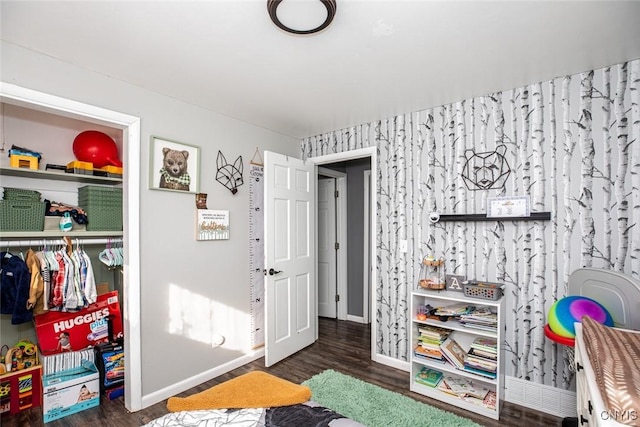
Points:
(487, 170)
(174, 174)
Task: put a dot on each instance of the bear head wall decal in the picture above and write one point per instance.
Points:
(484, 171)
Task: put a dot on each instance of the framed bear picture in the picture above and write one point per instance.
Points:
(174, 166)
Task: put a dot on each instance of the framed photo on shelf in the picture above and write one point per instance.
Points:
(174, 166)
(508, 207)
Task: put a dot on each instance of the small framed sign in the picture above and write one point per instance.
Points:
(454, 282)
(212, 225)
(511, 206)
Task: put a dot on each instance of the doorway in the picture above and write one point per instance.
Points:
(130, 126)
(332, 243)
(351, 253)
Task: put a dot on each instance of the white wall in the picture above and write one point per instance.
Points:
(190, 290)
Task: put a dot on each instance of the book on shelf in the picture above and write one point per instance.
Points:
(429, 354)
(490, 369)
(457, 309)
(475, 352)
(473, 358)
(428, 377)
(453, 352)
(481, 372)
(430, 359)
(429, 342)
(490, 400)
(485, 343)
(476, 362)
(481, 315)
(464, 387)
(443, 387)
(433, 332)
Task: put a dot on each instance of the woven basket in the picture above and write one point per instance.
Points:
(21, 194)
(103, 206)
(21, 215)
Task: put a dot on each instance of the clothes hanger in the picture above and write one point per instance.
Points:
(106, 256)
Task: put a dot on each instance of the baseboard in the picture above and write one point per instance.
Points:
(544, 398)
(358, 319)
(174, 389)
(394, 363)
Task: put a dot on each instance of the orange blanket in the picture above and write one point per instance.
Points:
(252, 390)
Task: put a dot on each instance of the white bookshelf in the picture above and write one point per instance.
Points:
(464, 336)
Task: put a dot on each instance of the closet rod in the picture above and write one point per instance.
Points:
(40, 242)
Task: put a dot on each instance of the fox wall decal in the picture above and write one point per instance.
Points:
(229, 175)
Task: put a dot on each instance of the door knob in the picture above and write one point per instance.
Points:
(272, 272)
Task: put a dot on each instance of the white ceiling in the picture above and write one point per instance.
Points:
(377, 59)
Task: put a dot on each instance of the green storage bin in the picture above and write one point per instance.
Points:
(21, 194)
(91, 195)
(103, 206)
(21, 215)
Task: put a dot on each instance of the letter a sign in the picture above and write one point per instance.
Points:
(454, 282)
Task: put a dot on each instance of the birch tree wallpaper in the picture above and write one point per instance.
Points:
(572, 146)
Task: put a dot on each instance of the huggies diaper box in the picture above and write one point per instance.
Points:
(70, 331)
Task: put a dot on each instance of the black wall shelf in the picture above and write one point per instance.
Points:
(535, 216)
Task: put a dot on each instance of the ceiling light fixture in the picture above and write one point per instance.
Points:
(272, 7)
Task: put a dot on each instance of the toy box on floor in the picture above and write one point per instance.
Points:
(70, 391)
(67, 331)
(20, 390)
(109, 359)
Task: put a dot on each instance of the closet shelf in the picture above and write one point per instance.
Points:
(59, 176)
(54, 234)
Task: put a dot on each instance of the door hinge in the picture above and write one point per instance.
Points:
(337, 298)
(337, 194)
(337, 246)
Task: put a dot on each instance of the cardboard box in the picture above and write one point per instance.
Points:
(70, 391)
(52, 223)
(60, 332)
(20, 390)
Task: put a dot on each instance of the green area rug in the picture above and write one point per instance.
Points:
(374, 406)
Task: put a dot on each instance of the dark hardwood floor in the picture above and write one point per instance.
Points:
(342, 346)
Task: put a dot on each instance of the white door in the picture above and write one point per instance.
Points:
(327, 279)
(290, 249)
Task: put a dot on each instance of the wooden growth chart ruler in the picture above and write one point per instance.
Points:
(256, 249)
